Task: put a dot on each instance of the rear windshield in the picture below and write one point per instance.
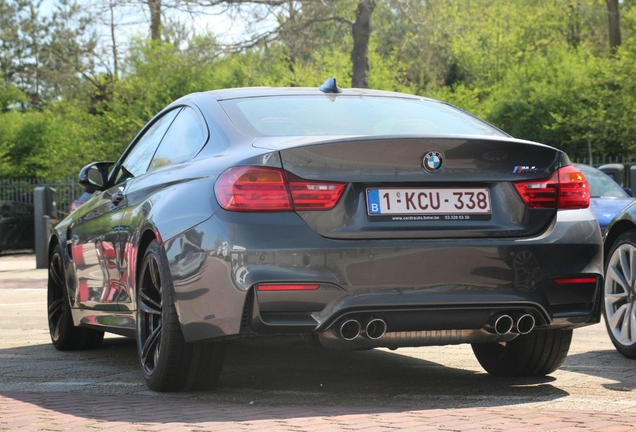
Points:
(350, 115)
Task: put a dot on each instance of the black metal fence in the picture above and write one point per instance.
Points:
(21, 190)
(602, 160)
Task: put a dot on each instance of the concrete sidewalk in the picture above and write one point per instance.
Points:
(18, 271)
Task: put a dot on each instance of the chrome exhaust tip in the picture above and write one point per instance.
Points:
(349, 330)
(500, 324)
(525, 324)
(375, 329)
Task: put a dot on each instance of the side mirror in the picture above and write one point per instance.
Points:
(94, 177)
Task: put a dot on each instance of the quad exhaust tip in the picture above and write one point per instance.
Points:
(375, 329)
(351, 329)
(525, 324)
(503, 324)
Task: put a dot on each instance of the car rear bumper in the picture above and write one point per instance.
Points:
(426, 291)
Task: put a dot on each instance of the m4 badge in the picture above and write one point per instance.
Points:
(524, 169)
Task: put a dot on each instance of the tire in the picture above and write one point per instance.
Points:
(64, 335)
(538, 353)
(168, 363)
(619, 294)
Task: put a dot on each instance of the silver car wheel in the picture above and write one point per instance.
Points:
(620, 295)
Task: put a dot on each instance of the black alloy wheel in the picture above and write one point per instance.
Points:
(64, 335)
(168, 362)
(149, 318)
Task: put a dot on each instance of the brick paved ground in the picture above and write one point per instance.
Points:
(45, 390)
(68, 411)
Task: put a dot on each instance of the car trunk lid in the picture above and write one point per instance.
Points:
(423, 187)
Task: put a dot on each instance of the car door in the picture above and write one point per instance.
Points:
(185, 137)
(96, 236)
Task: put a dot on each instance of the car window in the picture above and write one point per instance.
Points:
(601, 185)
(21, 210)
(6, 209)
(350, 115)
(184, 138)
(138, 160)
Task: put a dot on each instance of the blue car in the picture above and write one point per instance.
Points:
(607, 196)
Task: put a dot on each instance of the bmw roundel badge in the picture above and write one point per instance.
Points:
(432, 161)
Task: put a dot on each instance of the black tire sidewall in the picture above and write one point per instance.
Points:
(66, 332)
(535, 354)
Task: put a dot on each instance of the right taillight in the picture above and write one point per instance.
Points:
(566, 188)
(272, 189)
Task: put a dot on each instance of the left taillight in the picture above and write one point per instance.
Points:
(314, 195)
(76, 204)
(272, 189)
(566, 188)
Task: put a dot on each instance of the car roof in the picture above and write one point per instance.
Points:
(250, 92)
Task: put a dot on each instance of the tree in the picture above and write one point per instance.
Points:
(613, 15)
(302, 25)
(155, 19)
(361, 32)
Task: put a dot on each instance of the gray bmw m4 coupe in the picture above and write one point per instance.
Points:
(355, 217)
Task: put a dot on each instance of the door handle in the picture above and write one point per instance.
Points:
(117, 198)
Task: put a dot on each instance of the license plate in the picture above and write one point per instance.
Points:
(429, 201)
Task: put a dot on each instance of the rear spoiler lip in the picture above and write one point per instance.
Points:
(289, 142)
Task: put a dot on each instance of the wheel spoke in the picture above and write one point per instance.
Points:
(625, 261)
(616, 275)
(54, 271)
(148, 305)
(632, 267)
(632, 321)
(626, 327)
(151, 345)
(152, 269)
(615, 298)
(615, 320)
(55, 308)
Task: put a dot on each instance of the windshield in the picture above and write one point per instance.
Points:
(600, 184)
(350, 115)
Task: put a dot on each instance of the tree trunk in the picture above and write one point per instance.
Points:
(361, 32)
(613, 13)
(114, 40)
(155, 19)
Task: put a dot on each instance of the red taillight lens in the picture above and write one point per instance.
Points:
(76, 204)
(252, 189)
(566, 188)
(575, 191)
(268, 189)
(312, 195)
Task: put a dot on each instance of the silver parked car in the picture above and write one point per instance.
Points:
(361, 218)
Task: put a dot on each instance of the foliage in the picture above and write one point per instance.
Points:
(539, 69)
